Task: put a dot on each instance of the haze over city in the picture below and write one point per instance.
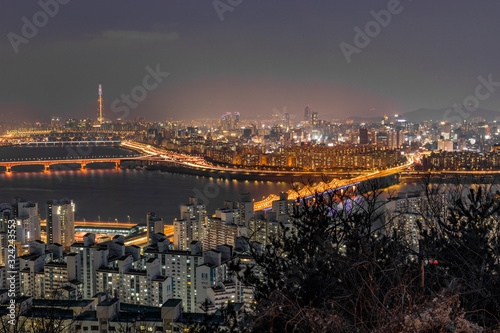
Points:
(261, 55)
(249, 166)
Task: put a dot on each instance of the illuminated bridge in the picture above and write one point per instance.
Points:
(72, 158)
(68, 160)
(153, 154)
(161, 156)
(47, 163)
(69, 143)
(51, 132)
(348, 185)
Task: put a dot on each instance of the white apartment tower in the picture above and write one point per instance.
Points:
(61, 222)
(28, 217)
(191, 224)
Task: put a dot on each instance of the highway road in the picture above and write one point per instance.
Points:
(266, 203)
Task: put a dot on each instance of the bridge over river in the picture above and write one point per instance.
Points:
(155, 155)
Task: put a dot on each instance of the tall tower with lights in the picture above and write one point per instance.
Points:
(100, 119)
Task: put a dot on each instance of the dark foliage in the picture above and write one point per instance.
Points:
(338, 270)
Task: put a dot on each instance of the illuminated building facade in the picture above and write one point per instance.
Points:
(145, 287)
(61, 222)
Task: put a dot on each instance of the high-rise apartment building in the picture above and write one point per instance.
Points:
(61, 278)
(133, 286)
(246, 207)
(224, 227)
(190, 226)
(181, 266)
(395, 139)
(195, 209)
(186, 231)
(154, 225)
(61, 222)
(28, 218)
(445, 145)
(407, 212)
(94, 256)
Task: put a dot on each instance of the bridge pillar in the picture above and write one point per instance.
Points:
(8, 169)
(47, 166)
(84, 166)
(117, 165)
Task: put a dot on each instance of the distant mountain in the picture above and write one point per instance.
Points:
(449, 114)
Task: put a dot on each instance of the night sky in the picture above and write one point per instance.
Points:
(264, 54)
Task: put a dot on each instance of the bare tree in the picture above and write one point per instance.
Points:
(53, 317)
(340, 271)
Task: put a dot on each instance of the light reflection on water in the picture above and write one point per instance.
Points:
(115, 194)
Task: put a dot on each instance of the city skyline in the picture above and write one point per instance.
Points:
(249, 166)
(258, 57)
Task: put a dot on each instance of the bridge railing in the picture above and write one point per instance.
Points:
(65, 158)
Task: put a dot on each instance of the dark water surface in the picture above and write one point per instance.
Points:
(111, 194)
(116, 194)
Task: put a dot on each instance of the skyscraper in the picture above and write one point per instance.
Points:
(236, 120)
(363, 136)
(226, 121)
(395, 139)
(286, 119)
(314, 119)
(61, 222)
(307, 113)
(55, 122)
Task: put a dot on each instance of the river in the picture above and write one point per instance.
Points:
(109, 194)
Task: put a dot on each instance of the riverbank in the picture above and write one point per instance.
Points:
(245, 175)
(452, 178)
